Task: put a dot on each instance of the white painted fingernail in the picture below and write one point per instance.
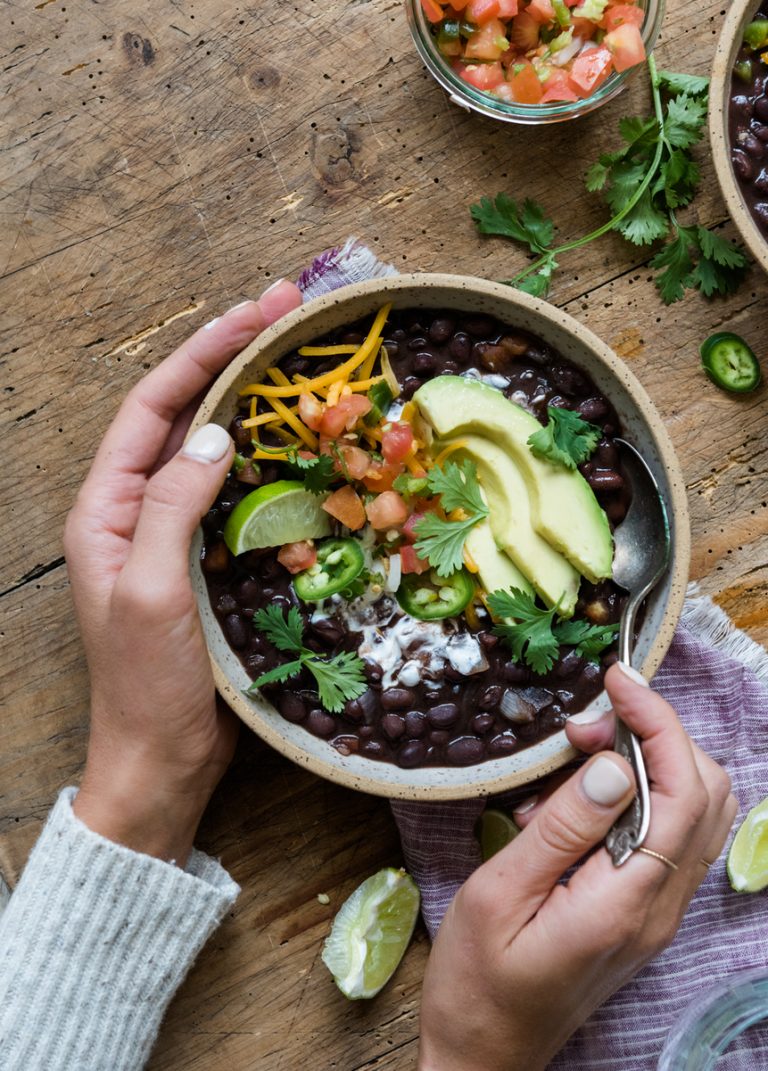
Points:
(273, 286)
(604, 782)
(633, 675)
(211, 323)
(209, 443)
(587, 717)
(526, 805)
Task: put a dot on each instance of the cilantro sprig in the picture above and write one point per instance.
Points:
(339, 678)
(317, 473)
(567, 439)
(441, 541)
(533, 635)
(644, 183)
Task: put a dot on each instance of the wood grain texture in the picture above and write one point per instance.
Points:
(160, 162)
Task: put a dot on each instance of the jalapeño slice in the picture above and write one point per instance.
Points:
(339, 562)
(730, 363)
(431, 597)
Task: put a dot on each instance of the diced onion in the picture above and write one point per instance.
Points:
(520, 705)
(565, 55)
(395, 572)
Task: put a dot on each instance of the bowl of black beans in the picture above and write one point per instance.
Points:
(406, 582)
(738, 120)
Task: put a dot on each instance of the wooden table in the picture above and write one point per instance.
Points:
(162, 161)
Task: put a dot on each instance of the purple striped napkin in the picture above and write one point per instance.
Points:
(717, 680)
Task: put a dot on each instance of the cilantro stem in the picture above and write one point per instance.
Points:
(609, 226)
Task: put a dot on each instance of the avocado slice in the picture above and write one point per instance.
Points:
(564, 509)
(552, 575)
(495, 569)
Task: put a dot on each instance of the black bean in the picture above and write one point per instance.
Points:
(438, 737)
(569, 665)
(490, 698)
(516, 673)
(742, 165)
(761, 109)
(373, 672)
(449, 368)
(528, 730)
(321, 724)
(502, 744)
(569, 381)
(761, 182)
(241, 435)
(346, 745)
(465, 750)
(397, 698)
(538, 354)
(443, 716)
(591, 673)
(760, 130)
(411, 754)
(393, 726)
(409, 387)
(552, 718)
(440, 330)
(753, 146)
(616, 511)
(327, 631)
(417, 343)
(460, 347)
(226, 604)
(564, 697)
(292, 707)
(351, 338)
(424, 363)
(353, 710)
(606, 456)
(452, 674)
(742, 105)
(488, 640)
(256, 664)
(479, 326)
(592, 409)
(514, 345)
(365, 732)
(374, 749)
(415, 724)
(249, 592)
(482, 723)
(606, 480)
(236, 630)
(761, 211)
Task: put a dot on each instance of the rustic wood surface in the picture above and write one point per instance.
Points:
(160, 162)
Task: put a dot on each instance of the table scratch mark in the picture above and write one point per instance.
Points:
(136, 343)
(379, 142)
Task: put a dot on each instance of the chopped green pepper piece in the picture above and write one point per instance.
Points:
(562, 14)
(730, 363)
(743, 70)
(380, 396)
(339, 563)
(756, 34)
(430, 597)
(466, 29)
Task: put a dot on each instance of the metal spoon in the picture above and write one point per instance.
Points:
(641, 557)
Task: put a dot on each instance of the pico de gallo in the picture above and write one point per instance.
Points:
(537, 51)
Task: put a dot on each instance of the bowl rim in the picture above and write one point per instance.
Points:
(728, 44)
(554, 751)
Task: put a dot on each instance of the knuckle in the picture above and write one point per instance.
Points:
(563, 832)
(698, 803)
(137, 597)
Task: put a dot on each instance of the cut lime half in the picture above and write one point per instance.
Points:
(281, 512)
(371, 932)
(496, 830)
(748, 856)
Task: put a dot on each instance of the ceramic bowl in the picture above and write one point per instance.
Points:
(641, 425)
(740, 13)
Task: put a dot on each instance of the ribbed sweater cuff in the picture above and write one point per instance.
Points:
(93, 944)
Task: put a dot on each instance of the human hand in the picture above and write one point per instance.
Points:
(158, 743)
(520, 961)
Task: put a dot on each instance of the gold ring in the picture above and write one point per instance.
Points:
(706, 864)
(662, 858)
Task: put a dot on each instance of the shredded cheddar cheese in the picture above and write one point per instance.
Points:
(327, 351)
(459, 444)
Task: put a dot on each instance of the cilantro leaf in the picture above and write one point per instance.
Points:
(589, 640)
(318, 473)
(525, 627)
(692, 84)
(277, 675)
(458, 487)
(678, 179)
(676, 258)
(338, 679)
(442, 542)
(286, 633)
(712, 278)
(567, 439)
(597, 176)
(410, 485)
(645, 223)
(526, 224)
(684, 120)
(713, 247)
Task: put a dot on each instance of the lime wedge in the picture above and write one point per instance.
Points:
(371, 932)
(281, 512)
(748, 856)
(496, 831)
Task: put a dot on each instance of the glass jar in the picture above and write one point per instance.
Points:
(476, 100)
(714, 1020)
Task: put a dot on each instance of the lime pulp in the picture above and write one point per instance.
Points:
(279, 513)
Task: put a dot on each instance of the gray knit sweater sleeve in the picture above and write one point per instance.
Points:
(94, 942)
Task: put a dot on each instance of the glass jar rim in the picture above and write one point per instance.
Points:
(472, 99)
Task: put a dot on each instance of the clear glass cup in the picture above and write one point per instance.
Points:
(714, 1020)
(476, 100)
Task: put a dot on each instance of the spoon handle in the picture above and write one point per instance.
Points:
(630, 829)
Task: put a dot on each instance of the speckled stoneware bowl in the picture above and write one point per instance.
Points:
(740, 13)
(642, 425)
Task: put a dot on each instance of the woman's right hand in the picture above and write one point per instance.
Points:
(521, 961)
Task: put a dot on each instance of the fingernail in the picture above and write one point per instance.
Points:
(526, 805)
(587, 717)
(209, 443)
(604, 782)
(273, 286)
(211, 323)
(239, 305)
(633, 675)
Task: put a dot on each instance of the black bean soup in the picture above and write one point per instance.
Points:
(452, 719)
(748, 126)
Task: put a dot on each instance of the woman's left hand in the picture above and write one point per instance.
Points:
(158, 744)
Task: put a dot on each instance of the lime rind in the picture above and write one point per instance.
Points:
(747, 863)
(496, 831)
(371, 932)
(281, 512)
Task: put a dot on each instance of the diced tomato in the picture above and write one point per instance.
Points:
(557, 87)
(397, 441)
(356, 461)
(432, 10)
(346, 506)
(584, 28)
(625, 44)
(622, 14)
(298, 556)
(458, 5)
(410, 562)
(387, 510)
(410, 524)
(508, 9)
(333, 422)
(482, 76)
(381, 475)
(590, 70)
(524, 34)
(524, 84)
(482, 11)
(310, 410)
(541, 10)
(487, 43)
(344, 415)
